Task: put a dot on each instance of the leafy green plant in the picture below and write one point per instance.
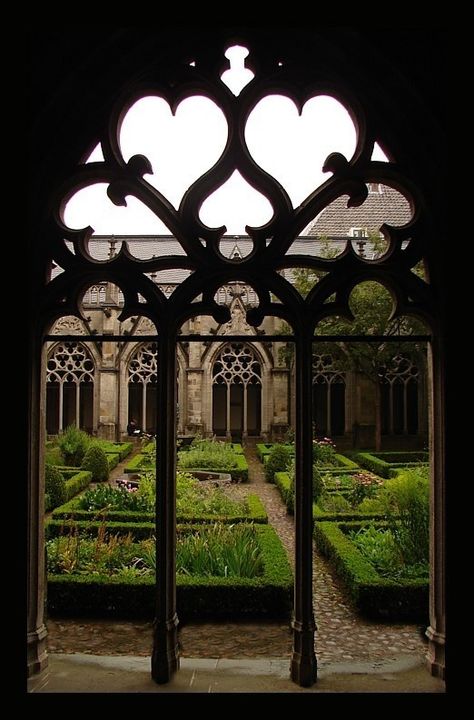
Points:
(217, 551)
(54, 486)
(220, 551)
(334, 503)
(95, 460)
(279, 460)
(73, 444)
(407, 501)
(208, 454)
(379, 547)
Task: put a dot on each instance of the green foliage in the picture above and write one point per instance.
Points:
(406, 502)
(374, 464)
(379, 547)
(131, 594)
(54, 486)
(279, 459)
(77, 482)
(141, 461)
(209, 454)
(318, 483)
(220, 551)
(95, 461)
(324, 452)
(53, 456)
(374, 596)
(104, 498)
(334, 503)
(194, 499)
(73, 444)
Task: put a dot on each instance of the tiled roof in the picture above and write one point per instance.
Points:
(388, 206)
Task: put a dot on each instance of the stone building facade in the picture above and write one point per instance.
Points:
(226, 388)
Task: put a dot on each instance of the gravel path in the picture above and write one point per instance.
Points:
(342, 634)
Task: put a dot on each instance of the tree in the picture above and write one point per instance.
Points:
(371, 305)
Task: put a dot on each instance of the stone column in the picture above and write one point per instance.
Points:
(280, 400)
(436, 631)
(37, 659)
(108, 402)
(303, 662)
(165, 656)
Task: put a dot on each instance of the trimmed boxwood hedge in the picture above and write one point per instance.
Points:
(269, 595)
(121, 449)
(373, 595)
(408, 457)
(70, 511)
(375, 464)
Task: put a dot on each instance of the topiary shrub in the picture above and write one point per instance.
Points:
(95, 460)
(54, 486)
(73, 444)
(278, 461)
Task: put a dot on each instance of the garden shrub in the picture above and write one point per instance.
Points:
(95, 461)
(406, 501)
(279, 459)
(54, 486)
(73, 444)
(53, 456)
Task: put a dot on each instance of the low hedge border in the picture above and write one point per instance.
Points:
(113, 460)
(239, 474)
(408, 457)
(375, 465)
(373, 595)
(122, 449)
(269, 595)
(346, 463)
(69, 511)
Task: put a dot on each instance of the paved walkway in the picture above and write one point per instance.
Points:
(342, 636)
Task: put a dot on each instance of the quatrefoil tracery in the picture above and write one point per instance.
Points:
(209, 268)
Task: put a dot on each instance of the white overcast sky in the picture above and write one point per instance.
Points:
(290, 147)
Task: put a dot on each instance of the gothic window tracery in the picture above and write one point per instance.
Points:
(70, 381)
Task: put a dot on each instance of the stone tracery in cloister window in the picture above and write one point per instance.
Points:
(237, 364)
(400, 385)
(328, 396)
(70, 382)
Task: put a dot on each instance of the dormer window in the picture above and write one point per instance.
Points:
(374, 188)
(358, 232)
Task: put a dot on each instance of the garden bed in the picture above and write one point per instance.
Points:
(268, 595)
(70, 511)
(283, 483)
(373, 595)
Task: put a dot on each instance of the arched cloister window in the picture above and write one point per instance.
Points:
(236, 391)
(142, 379)
(329, 396)
(350, 170)
(70, 388)
(400, 396)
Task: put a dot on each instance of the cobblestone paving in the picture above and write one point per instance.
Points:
(342, 635)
